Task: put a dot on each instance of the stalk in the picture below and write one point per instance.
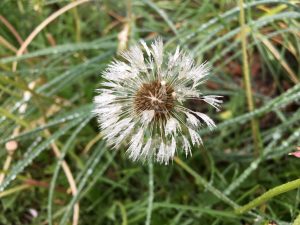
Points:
(247, 80)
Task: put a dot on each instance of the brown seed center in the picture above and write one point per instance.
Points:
(156, 96)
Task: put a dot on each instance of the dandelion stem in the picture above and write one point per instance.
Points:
(151, 193)
(77, 24)
(251, 107)
(269, 195)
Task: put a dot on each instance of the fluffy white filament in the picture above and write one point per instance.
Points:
(156, 124)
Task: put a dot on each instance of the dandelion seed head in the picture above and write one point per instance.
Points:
(155, 96)
(142, 103)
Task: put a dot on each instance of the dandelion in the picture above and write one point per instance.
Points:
(142, 102)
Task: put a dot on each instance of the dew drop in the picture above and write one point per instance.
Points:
(90, 171)
(276, 135)
(285, 144)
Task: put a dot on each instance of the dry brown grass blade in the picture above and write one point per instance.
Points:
(92, 143)
(11, 147)
(42, 25)
(7, 45)
(277, 55)
(11, 29)
(70, 179)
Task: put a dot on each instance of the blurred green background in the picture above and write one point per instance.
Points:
(55, 166)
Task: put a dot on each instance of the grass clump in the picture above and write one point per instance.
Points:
(59, 169)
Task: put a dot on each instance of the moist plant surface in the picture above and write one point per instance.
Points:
(62, 163)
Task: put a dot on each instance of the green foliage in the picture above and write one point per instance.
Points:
(61, 69)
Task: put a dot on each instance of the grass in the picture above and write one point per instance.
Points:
(59, 68)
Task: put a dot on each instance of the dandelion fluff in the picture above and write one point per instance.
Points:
(142, 102)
